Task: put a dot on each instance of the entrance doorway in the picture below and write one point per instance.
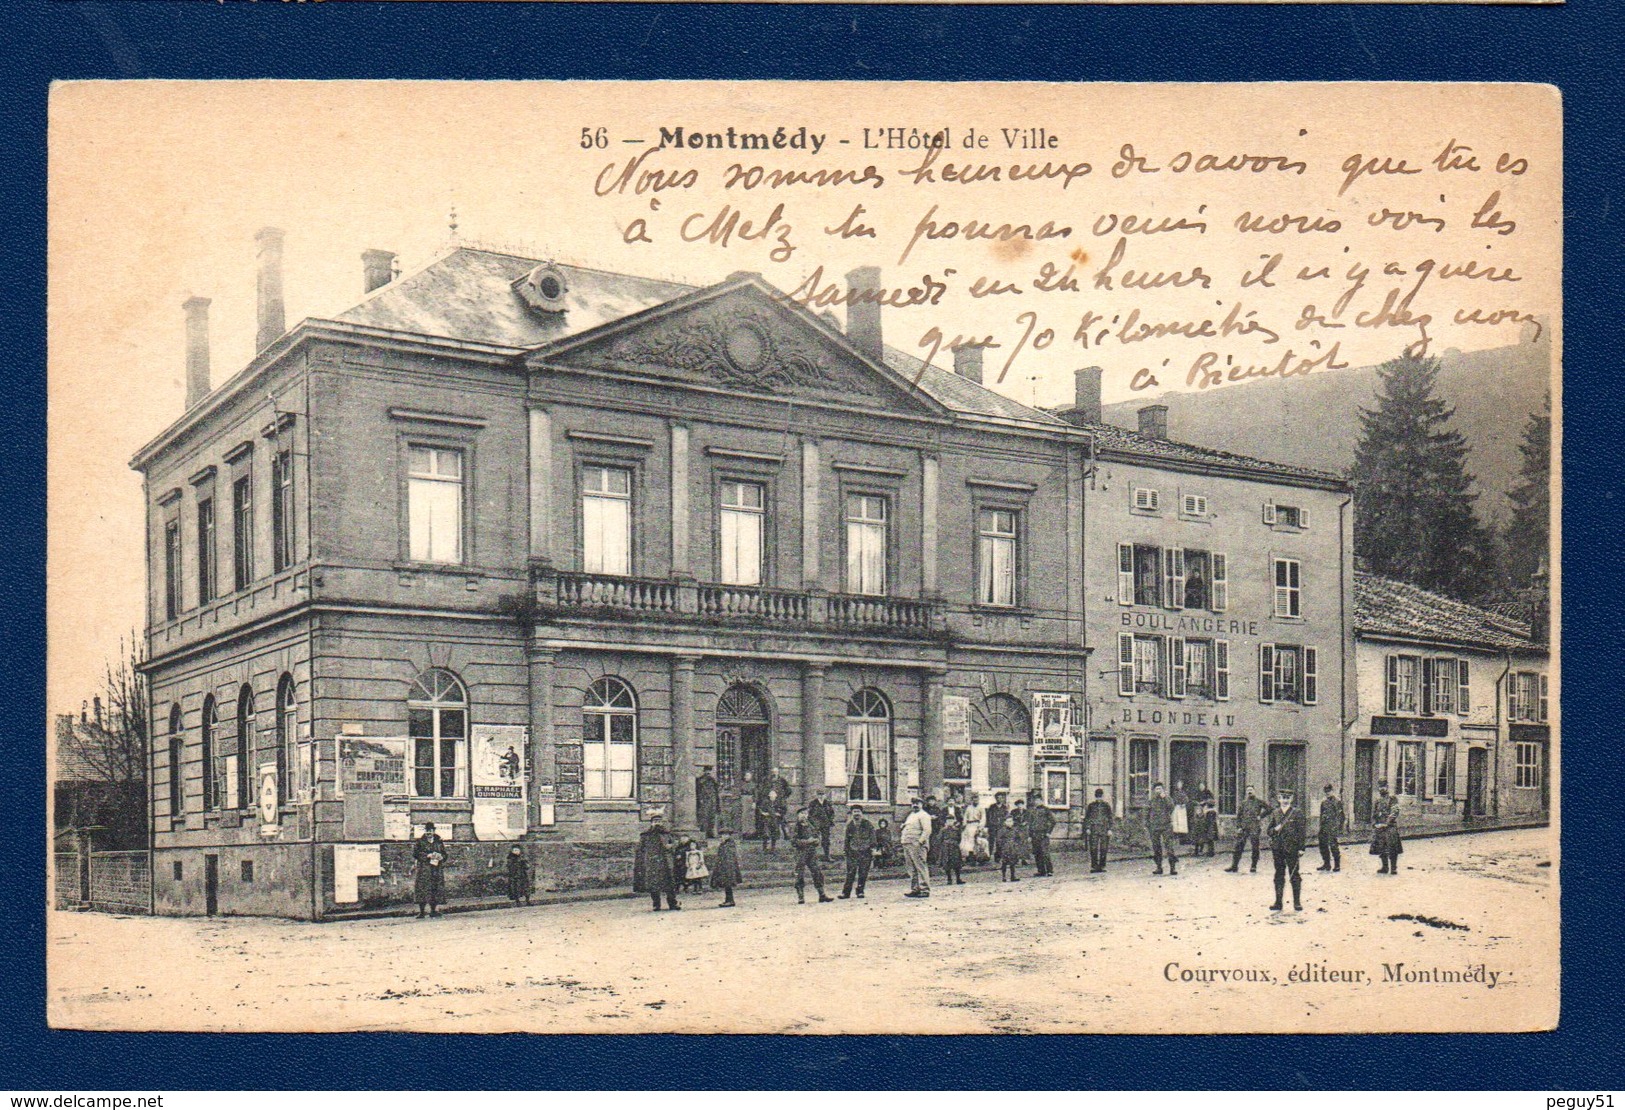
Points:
(1187, 766)
(211, 885)
(1478, 767)
(744, 755)
(1288, 771)
(1365, 778)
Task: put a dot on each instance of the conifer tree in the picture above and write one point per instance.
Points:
(1527, 537)
(1413, 497)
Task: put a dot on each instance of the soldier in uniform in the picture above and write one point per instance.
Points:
(1248, 819)
(707, 802)
(860, 850)
(805, 842)
(1040, 823)
(1097, 829)
(821, 813)
(1159, 823)
(1332, 823)
(1385, 840)
(1287, 830)
(996, 813)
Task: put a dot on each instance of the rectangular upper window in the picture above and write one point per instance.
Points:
(1285, 516)
(740, 532)
(996, 556)
(1147, 500)
(1526, 697)
(1404, 684)
(172, 569)
(1288, 588)
(1172, 577)
(434, 504)
(1193, 504)
(606, 520)
(242, 531)
(1529, 765)
(282, 551)
(1288, 673)
(206, 581)
(866, 517)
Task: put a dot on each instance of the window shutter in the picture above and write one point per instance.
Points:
(1542, 699)
(1311, 677)
(1512, 697)
(1461, 687)
(1178, 556)
(1125, 574)
(1221, 670)
(1221, 582)
(1269, 512)
(1392, 703)
(1266, 673)
(1428, 673)
(1125, 663)
(1303, 518)
(1168, 578)
(1176, 667)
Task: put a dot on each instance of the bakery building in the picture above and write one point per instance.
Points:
(1454, 713)
(520, 549)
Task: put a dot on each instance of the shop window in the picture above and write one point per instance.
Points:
(1444, 770)
(1526, 766)
(1142, 771)
(1232, 775)
(437, 723)
(610, 741)
(1408, 770)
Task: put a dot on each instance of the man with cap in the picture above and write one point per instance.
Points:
(429, 883)
(804, 840)
(821, 812)
(1159, 825)
(707, 802)
(1097, 830)
(1249, 820)
(1040, 824)
(916, 840)
(860, 850)
(1332, 823)
(652, 868)
(1385, 839)
(996, 813)
(1287, 829)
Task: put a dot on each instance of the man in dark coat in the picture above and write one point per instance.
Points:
(1385, 841)
(860, 850)
(821, 813)
(996, 813)
(652, 871)
(1021, 820)
(804, 839)
(1332, 823)
(1097, 830)
(1287, 830)
(519, 882)
(1249, 819)
(1040, 824)
(429, 882)
(1159, 825)
(726, 874)
(707, 802)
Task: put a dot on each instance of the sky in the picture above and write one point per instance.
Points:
(157, 189)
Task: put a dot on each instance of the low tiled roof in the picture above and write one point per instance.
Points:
(1113, 437)
(468, 294)
(1389, 607)
(963, 395)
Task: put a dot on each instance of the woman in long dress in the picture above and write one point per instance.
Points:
(974, 816)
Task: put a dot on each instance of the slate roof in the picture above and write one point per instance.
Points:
(1114, 437)
(963, 395)
(1388, 607)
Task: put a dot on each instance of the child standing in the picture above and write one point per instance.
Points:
(1008, 852)
(726, 876)
(519, 882)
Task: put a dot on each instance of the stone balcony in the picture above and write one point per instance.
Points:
(565, 593)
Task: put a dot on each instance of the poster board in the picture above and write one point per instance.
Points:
(371, 769)
(498, 764)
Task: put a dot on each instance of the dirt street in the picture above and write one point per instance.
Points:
(1121, 952)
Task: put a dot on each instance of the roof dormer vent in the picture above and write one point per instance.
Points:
(544, 288)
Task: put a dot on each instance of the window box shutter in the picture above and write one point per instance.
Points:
(1125, 574)
(1162, 683)
(1266, 673)
(1221, 670)
(1311, 675)
(1461, 687)
(1269, 512)
(1176, 667)
(1429, 672)
(1303, 518)
(1392, 704)
(1542, 699)
(1221, 582)
(1125, 663)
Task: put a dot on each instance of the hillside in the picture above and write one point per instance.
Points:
(1314, 420)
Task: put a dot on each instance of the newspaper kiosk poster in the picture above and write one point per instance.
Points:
(498, 763)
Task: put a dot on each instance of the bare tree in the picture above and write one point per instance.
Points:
(101, 769)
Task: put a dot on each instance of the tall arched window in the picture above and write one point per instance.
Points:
(211, 773)
(609, 719)
(177, 751)
(287, 715)
(868, 747)
(245, 747)
(437, 721)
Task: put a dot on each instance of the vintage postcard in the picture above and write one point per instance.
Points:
(809, 558)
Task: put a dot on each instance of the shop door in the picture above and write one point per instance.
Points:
(1287, 771)
(211, 885)
(1365, 778)
(1187, 767)
(1478, 764)
(744, 756)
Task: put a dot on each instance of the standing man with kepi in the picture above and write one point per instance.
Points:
(1159, 824)
(1332, 823)
(1097, 829)
(1040, 823)
(1287, 830)
(860, 851)
(821, 812)
(1385, 840)
(804, 841)
(1249, 819)
(916, 839)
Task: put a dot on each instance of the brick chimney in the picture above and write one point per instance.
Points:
(1154, 421)
(268, 287)
(197, 349)
(863, 312)
(968, 363)
(1086, 394)
(377, 269)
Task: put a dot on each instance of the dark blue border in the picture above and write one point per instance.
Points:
(1576, 47)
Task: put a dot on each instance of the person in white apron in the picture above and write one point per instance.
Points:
(973, 841)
